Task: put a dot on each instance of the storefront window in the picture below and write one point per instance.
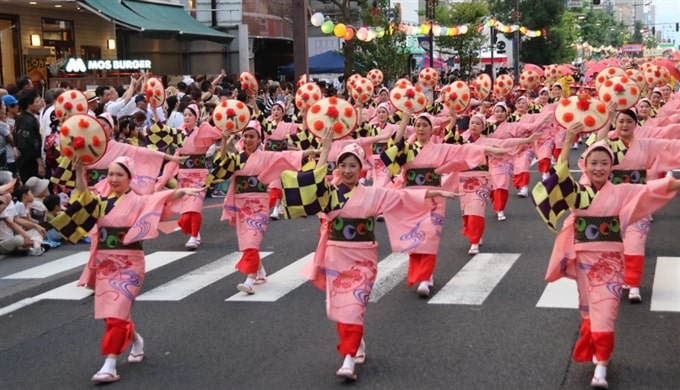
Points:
(59, 34)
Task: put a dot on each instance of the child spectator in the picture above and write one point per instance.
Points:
(13, 238)
(53, 207)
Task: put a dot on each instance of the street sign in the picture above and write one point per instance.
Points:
(632, 48)
(574, 3)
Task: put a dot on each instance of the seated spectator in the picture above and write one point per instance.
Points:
(13, 238)
(53, 207)
(22, 207)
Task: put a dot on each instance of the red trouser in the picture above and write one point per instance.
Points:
(350, 338)
(589, 344)
(499, 198)
(190, 223)
(420, 267)
(544, 165)
(275, 194)
(632, 269)
(556, 153)
(117, 336)
(473, 228)
(521, 179)
(249, 262)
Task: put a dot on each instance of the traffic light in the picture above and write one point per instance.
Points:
(677, 26)
(653, 30)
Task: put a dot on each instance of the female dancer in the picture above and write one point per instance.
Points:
(246, 203)
(116, 267)
(421, 163)
(635, 160)
(589, 247)
(346, 258)
(192, 141)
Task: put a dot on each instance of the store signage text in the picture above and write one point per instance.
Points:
(79, 65)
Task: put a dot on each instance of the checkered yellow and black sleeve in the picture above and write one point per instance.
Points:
(558, 193)
(452, 135)
(161, 137)
(434, 108)
(303, 140)
(396, 154)
(82, 213)
(64, 174)
(223, 167)
(305, 193)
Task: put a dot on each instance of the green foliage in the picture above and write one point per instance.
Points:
(538, 15)
(466, 46)
(387, 53)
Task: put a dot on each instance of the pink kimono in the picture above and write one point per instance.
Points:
(247, 202)
(587, 249)
(377, 171)
(193, 172)
(121, 224)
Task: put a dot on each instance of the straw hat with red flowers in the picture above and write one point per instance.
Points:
(248, 83)
(154, 92)
(482, 86)
(607, 73)
(376, 76)
(306, 95)
(582, 108)
(231, 115)
(456, 96)
(621, 90)
(70, 103)
(82, 136)
(408, 97)
(331, 113)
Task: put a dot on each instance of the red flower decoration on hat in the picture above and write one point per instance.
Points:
(333, 112)
(619, 88)
(78, 142)
(583, 102)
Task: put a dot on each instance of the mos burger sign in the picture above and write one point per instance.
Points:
(74, 65)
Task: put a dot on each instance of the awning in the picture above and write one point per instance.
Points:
(188, 28)
(161, 21)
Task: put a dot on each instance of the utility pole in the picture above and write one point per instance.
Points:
(430, 14)
(300, 47)
(516, 42)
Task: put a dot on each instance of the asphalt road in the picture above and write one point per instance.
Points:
(205, 342)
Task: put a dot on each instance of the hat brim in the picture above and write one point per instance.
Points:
(376, 76)
(318, 121)
(593, 117)
(530, 80)
(69, 103)
(362, 91)
(234, 123)
(621, 90)
(82, 136)
(502, 86)
(428, 77)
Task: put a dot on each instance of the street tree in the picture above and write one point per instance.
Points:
(388, 53)
(546, 15)
(466, 47)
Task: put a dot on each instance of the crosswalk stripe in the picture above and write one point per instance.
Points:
(391, 271)
(187, 284)
(476, 280)
(53, 267)
(70, 291)
(560, 294)
(278, 284)
(666, 287)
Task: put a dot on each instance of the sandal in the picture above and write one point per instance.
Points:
(245, 288)
(105, 377)
(599, 383)
(135, 357)
(347, 373)
(260, 280)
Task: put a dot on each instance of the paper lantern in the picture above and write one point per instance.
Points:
(362, 34)
(317, 19)
(380, 32)
(463, 29)
(437, 29)
(349, 33)
(339, 30)
(372, 34)
(327, 27)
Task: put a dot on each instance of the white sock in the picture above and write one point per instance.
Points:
(137, 345)
(249, 282)
(261, 273)
(348, 362)
(109, 366)
(600, 371)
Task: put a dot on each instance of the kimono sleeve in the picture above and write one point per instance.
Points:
(150, 210)
(558, 193)
(643, 200)
(64, 175)
(223, 168)
(395, 155)
(461, 157)
(80, 216)
(160, 136)
(304, 140)
(277, 162)
(305, 193)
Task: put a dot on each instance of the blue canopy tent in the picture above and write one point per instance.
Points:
(328, 62)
